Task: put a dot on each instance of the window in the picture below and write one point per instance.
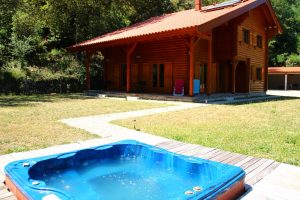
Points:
(246, 36)
(259, 74)
(154, 75)
(259, 41)
(158, 75)
(203, 69)
(124, 76)
(161, 75)
(252, 72)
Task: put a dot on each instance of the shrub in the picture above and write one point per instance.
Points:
(33, 79)
(12, 77)
(293, 60)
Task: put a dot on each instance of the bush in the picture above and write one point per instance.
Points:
(293, 60)
(12, 77)
(44, 80)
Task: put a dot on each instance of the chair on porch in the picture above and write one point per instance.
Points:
(178, 88)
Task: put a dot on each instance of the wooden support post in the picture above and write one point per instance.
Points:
(192, 67)
(266, 64)
(192, 46)
(128, 78)
(209, 68)
(285, 82)
(87, 70)
(129, 51)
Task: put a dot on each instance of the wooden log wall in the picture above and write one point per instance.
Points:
(173, 53)
(256, 24)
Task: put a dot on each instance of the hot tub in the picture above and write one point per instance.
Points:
(123, 170)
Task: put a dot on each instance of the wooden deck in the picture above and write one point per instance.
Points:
(255, 168)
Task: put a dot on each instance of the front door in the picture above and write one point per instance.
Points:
(242, 77)
(161, 77)
(223, 78)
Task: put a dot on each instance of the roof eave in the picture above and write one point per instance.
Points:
(135, 39)
(274, 17)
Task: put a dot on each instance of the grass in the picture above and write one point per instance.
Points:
(266, 129)
(31, 122)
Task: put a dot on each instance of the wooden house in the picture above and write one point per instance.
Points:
(221, 48)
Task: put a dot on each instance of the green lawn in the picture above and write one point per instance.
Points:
(267, 129)
(31, 122)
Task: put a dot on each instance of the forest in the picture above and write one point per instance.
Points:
(35, 33)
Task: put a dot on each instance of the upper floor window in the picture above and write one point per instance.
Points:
(259, 41)
(246, 36)
(259, 74)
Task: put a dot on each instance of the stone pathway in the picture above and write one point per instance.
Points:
(100, 125)
(288, 93)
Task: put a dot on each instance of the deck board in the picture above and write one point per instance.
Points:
(256, 168)
(234, 159)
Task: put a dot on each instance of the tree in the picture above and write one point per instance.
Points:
(7, 10)
(288, 43)
(293, 60)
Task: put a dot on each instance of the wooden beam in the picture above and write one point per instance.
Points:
(271, 32)
(128, 78)
(205, 36)
(196, 42)
(192, 66)
(129, 51)
(187, 42)
(209, 68)
(192, 44)
(266, 64)
(268, 17)
(131, 48)
(87, 70)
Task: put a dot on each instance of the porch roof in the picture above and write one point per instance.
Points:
(174, 23)
(284, 70)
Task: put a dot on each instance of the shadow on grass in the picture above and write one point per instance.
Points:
(30, 100)
(255, 101)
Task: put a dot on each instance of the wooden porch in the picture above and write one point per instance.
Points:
(127, 66)
(221, 98)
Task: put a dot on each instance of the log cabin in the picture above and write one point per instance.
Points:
(221, 48)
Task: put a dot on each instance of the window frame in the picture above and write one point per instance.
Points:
(155, 75)
(246, 36)
(158, 76)
(259, 41)
(258, 73)
(161, 74)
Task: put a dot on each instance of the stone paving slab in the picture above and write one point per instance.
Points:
(283, 183)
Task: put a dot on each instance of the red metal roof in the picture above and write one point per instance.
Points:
(284, 70)
(178, 21)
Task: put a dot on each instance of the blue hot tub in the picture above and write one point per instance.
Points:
(124, 170)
